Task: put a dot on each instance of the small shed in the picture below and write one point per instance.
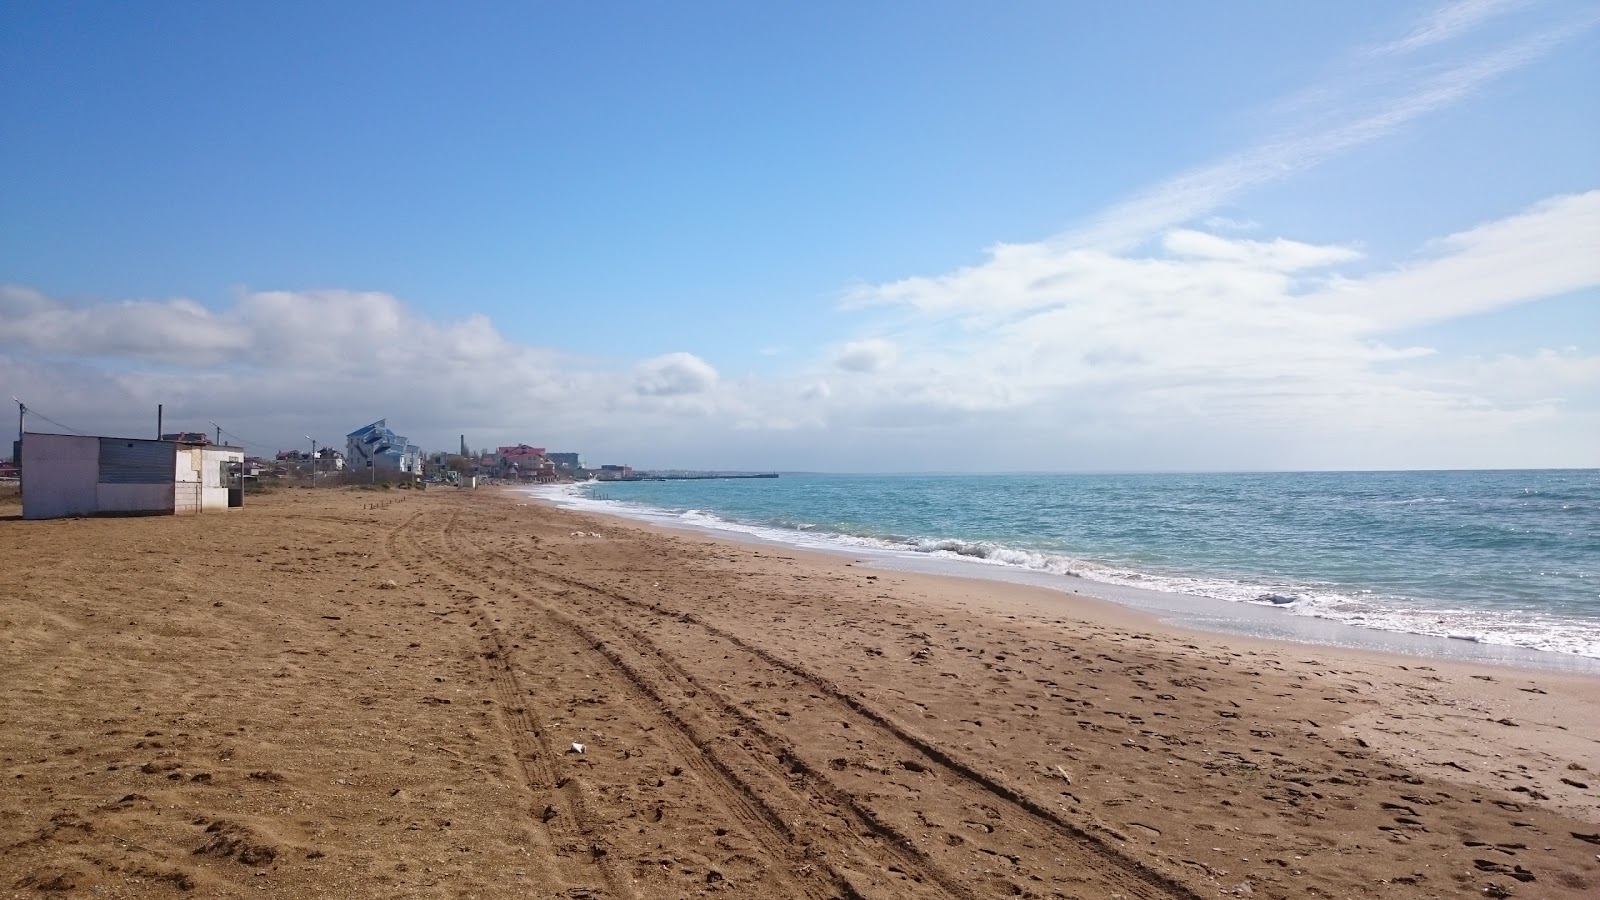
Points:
(83, 475)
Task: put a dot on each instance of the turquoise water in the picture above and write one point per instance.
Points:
(1503, 557)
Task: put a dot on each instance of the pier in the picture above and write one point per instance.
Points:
(702, 476)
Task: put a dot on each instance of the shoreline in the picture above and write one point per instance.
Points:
(1207, 615)
(1493, 689)
(438, 693)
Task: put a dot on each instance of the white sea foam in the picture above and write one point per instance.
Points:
(1363, 609)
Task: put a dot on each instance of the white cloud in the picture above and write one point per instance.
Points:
(871, 355)
(166, 331)
(1242, 339)
(1224, 223)
(817, 390)
(1546, 251)
(1278, 255)
(276, 365)
(1022, 277)
(1563, 378)
(336, 331)
(675, 374)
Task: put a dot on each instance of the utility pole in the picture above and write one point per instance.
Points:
(159, 410)
(16, 450)
(313, 459)
(219, 431)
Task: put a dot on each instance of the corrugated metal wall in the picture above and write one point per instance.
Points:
(136, 462)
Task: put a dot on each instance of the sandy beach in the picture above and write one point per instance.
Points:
(344, 693)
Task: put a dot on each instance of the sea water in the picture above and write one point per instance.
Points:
(1493, 557)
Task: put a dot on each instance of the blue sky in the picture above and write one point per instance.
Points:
(855, 237)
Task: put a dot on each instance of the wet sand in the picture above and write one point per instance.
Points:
(380, 694)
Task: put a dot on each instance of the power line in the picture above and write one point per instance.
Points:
(223, 431)
(38, 414)
(28, 410)
(242, 441)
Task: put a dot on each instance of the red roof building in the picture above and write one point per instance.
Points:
(519, 453)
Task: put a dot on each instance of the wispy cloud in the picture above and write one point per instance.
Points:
(1367, 106)
(1447, 21)
(1224, 223)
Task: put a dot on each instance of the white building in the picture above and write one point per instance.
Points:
(79, 475)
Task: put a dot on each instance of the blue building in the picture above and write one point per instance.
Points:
(377, 447)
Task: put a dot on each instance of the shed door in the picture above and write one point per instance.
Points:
(136, 462)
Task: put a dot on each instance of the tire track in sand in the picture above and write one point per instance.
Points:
(752, 775)
(809, 874)
(570, 826)
(1108, 868)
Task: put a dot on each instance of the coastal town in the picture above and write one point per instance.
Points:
(375, 452)
(72, 475)
(177, 472)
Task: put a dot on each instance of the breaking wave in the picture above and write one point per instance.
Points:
(1367, 609)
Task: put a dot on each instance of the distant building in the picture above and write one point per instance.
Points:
(522, 462)
(615, 473)
(330, 460)
(377, 447)
(84, 475)
(518, 453)
(572, 461)
(436, 467)
(188, 437)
